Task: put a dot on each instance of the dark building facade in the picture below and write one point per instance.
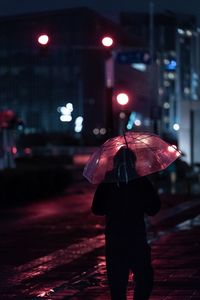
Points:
(176, 47)
(59, 87)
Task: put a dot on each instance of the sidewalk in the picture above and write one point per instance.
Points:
(175, 257)
(176, 261)
(65, 255)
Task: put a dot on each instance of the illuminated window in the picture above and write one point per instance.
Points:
(181, 31)
(78, 124)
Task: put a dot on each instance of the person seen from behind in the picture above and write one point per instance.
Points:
(124, 198)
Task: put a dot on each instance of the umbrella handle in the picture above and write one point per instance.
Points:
(124, 134)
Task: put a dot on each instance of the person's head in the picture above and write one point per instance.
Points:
(125, 153)
(124, 164)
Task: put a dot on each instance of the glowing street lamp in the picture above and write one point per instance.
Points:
(43, 39)
(107, 41)
(122, 98)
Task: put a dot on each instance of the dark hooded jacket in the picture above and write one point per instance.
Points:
(124, 205)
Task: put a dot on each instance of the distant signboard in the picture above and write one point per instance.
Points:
(131, 57)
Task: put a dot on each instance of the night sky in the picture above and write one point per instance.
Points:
(110, 8)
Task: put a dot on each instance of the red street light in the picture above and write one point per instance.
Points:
(122, 98)
(43, 39)
(107, 41)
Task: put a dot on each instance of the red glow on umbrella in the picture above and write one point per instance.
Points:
(152, 155)
(171, 148)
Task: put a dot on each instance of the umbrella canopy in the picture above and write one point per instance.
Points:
(145, 154)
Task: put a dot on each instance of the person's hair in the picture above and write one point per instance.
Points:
(124, 164)
(124, 152)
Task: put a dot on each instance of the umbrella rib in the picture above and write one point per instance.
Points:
(98, 159)
(105, 147)
(149, 147)
(144, 144)
(141, 140)
(159, 160)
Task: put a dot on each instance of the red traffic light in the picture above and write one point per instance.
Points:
(43, 39)
(107, 41)
(122, 98)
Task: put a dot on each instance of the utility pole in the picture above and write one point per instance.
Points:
(107, 42)
(151, 30)
(155, 111)
(109, 84)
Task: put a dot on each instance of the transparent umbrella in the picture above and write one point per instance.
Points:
(145, 154)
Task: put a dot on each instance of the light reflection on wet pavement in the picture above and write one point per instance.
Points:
(60, 257)
(95, 278)
(77, 270)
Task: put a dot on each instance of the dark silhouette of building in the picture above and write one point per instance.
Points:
(37, 81)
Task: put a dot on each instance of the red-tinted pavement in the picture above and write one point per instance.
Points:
(56, 251)
(176, 261)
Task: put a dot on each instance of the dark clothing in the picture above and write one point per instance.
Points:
(120, 259)
(124, 206)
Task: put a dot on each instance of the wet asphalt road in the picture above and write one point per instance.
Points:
(44, 237)
(53, 249)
